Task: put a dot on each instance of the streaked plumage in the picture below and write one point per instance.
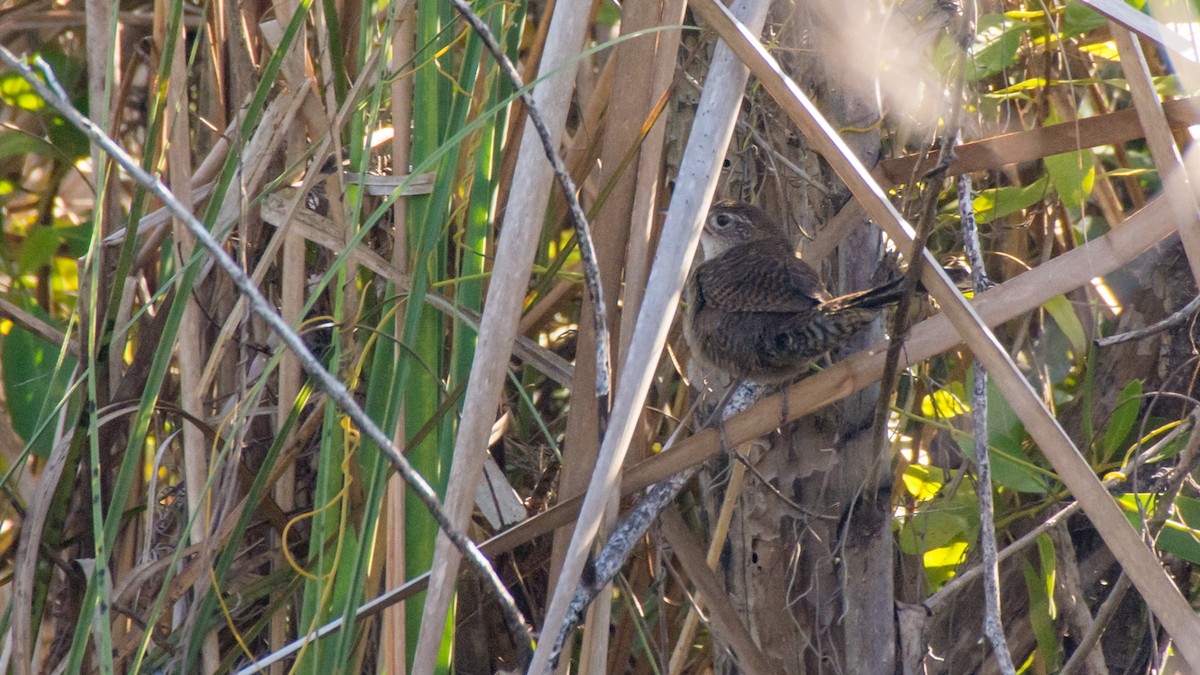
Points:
(757, 311)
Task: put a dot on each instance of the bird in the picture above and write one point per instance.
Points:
(755, 311)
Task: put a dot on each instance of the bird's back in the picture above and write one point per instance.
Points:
(758, 312)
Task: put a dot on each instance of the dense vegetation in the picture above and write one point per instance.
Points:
(180, 495)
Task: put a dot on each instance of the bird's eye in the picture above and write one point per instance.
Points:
(723, 220)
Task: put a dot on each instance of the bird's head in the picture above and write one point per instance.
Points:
(731, 223)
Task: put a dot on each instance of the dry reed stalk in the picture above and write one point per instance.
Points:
(720, 530)
(693, 193)
(394, 637)
(530, 189)
(1177, 185)
(622, 135)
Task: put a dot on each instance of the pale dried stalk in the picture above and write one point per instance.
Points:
(289, 104)
(292, 285)
(649, 170)
(517, 244)
(265, 135)
(639, 61)
(724, 618)
(394, 641)
(1175, 179)
(1182, 50)
(190, 350)
(37, 511)
(582, 435)
(693, 193)
(1071, 598)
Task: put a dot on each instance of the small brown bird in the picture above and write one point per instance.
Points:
(755, 310)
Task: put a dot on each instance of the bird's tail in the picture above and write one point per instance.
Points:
(889, 293)
(872, 298)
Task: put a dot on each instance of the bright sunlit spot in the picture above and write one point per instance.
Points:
(1106, 295)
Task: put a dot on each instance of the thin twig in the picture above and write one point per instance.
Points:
(1175, 319)
(901, 323)
(53, 94)
(993, 627)
(927, 214)
(617, 550)
(583, 236)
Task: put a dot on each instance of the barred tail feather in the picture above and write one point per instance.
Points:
(874, 298)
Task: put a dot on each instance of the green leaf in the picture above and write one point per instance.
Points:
(1181, 534)
(15, 142)
(1041, 607)
(944, 404)
(923, 482)
(78, 238)
(933, 527)
(1001, 418)
(1026, 15)
(1078, 18)
(68, 139)
(38, 249)
(15, 91)
(609, 14)
(1011, 466)
(1169, 86)
(1049, 570)
(1023, 85)
(1000, 202)
(941, 563)
(1064, 315)
(67, 70)
(31, 387)
(1106, 50)
(997, 38)
(1129, 503)
(1123, 417)
(1073, 175)
(1129, 172)
(1180, 541)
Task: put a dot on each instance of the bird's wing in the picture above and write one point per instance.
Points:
(760, 277)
